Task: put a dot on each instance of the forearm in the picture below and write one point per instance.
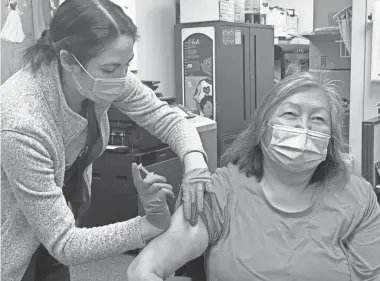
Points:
(194, 160)
(81, 245)
(184, 139)
(169, 251)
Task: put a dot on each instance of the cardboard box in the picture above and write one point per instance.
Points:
(207, 10)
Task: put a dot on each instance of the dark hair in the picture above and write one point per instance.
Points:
(82, 28)
(13, 5)
(205, 100)
(205, 57)
(246, 149)
(205, 52)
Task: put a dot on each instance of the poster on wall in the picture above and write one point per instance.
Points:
(129, 8)
(198, 70)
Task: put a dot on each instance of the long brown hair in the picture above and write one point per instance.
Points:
(246, 149)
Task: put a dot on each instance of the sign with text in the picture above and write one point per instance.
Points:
(198, 70)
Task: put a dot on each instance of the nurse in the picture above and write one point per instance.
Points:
(55, 125)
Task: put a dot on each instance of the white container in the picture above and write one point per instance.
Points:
(207, 10)
(239, 10)
(375, 55)
(253, 6)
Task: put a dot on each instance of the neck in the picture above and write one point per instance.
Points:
(279, 178)
(73, 98)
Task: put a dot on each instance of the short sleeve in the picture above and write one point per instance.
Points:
(363, 244)
(216, 212)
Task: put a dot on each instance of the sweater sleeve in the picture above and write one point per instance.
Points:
(30, 171)
(142, 106)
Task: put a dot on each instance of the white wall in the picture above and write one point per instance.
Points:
(364, 94)
(371, 90)
(155, 20)
(324, 10)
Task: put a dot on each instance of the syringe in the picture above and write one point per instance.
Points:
(146, 172)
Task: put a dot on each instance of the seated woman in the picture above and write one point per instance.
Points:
(285, 206)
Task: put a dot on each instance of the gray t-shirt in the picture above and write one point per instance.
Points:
(336, 239)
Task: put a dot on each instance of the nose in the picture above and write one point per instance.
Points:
(124, 72)
(121, 73)
(303, 123)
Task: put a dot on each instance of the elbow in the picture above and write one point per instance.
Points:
(68, 262)
(73, 262)
(134, 273)
(70, 257)
(141, 270)
(64, 260)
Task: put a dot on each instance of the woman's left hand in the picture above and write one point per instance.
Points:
(196, 180)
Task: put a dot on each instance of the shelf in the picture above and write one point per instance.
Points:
(321, 70)
(326, 32)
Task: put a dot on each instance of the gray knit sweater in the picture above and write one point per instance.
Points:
(37, 127)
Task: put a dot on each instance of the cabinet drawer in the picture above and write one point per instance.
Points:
(112, 201)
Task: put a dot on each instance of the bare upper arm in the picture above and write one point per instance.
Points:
(172, 249)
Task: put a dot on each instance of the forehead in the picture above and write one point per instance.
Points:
(117, 52)
(308, 98)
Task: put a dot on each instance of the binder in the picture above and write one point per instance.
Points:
(371, 149)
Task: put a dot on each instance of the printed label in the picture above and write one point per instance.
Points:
(228, 36)
(237, 36)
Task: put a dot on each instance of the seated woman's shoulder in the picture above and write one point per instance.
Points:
(355, 186)
(232, 167)
(359, 185)
(230, 170)
(356, 179)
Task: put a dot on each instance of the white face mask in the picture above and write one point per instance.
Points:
(297, 149)
(105, 90)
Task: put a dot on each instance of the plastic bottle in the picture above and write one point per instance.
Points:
(239, 10)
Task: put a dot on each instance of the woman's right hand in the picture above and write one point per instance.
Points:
(152, 192)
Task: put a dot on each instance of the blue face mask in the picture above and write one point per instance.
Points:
(297, 149)
(104, 90)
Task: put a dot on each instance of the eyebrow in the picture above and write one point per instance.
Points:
(289, 103)
(117, 63)
(318, 108)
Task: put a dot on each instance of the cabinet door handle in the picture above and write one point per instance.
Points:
(244, 73)
(122, 178)
(95, 176)
(255, 71)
